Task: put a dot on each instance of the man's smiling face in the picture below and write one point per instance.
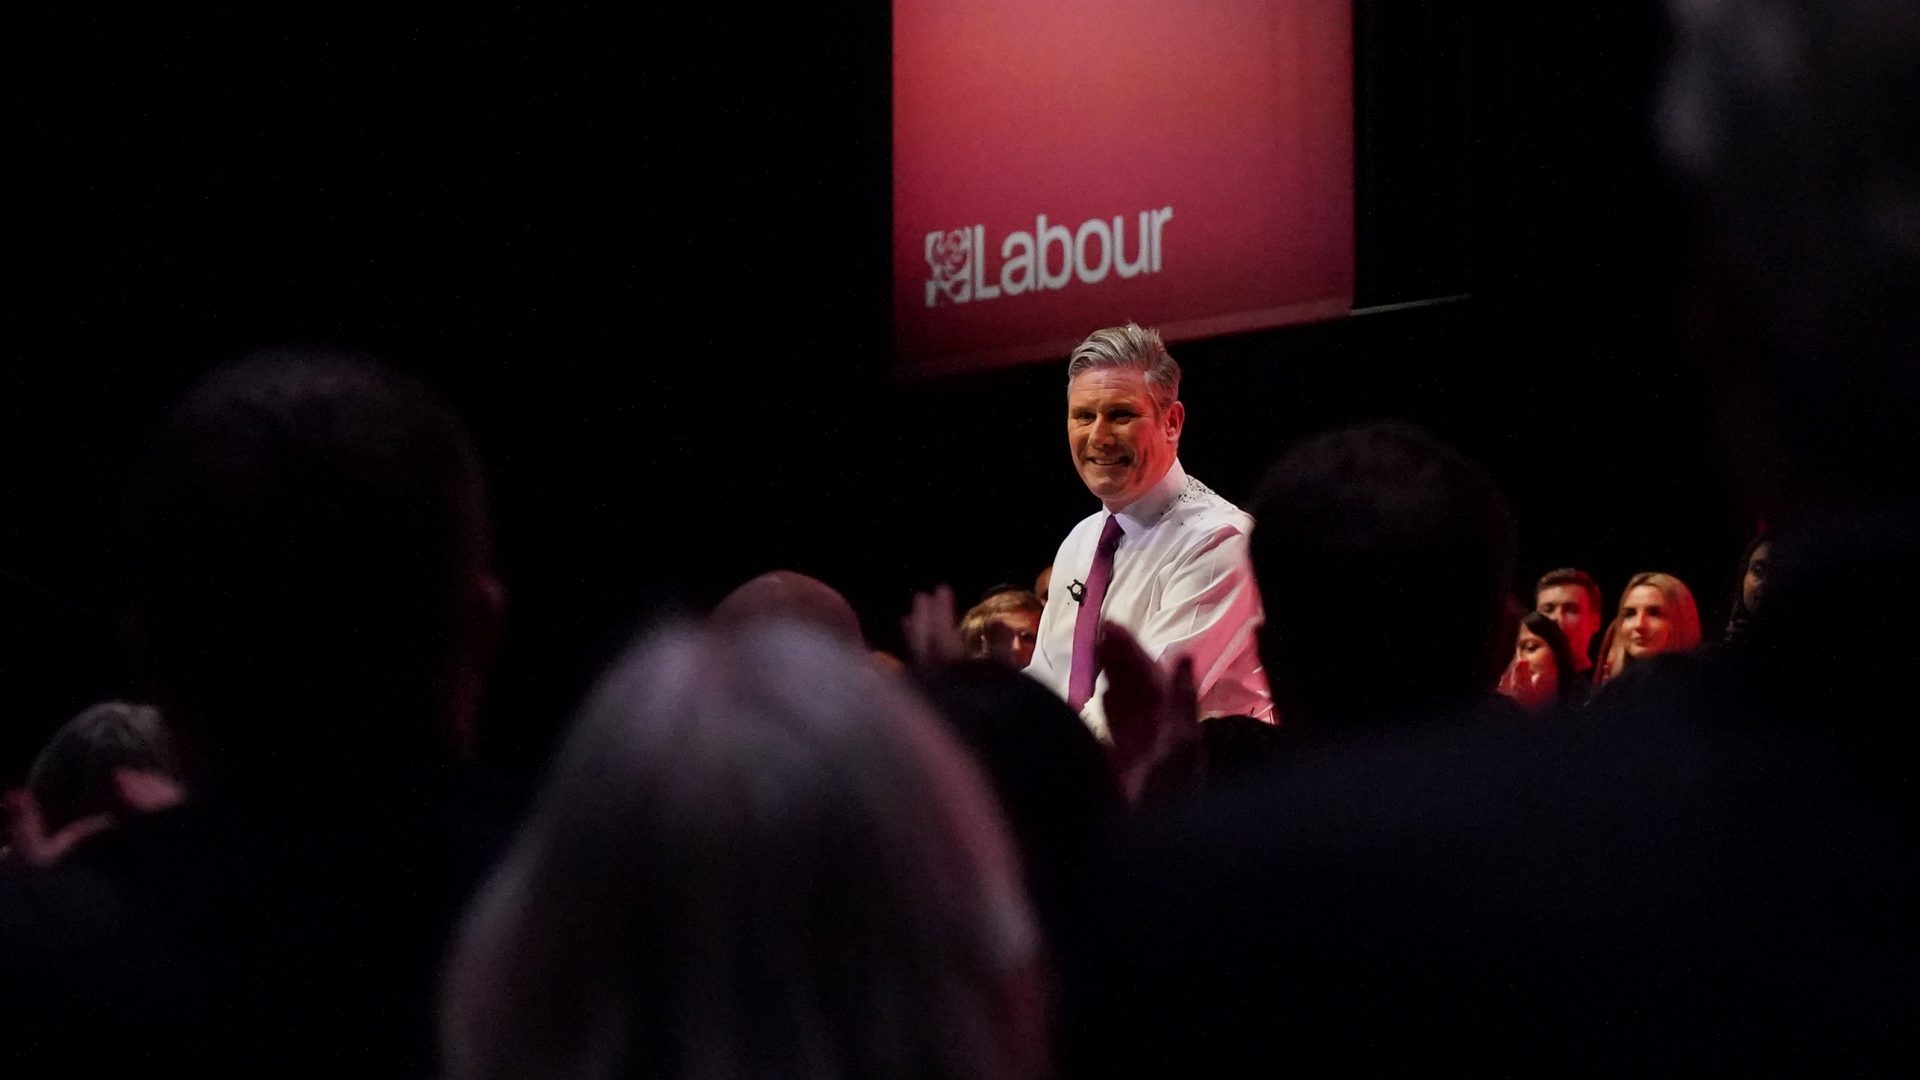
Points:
(1122, 445)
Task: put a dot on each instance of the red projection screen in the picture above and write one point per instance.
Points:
(1068, 165)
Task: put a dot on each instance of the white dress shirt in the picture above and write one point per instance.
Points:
(1181, 583)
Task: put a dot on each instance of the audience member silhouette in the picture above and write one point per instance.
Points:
(785, 594)
(74, 775)
(1051, 775)
(1353, 523)
(82, 992)
(756, 856)
(314, 606)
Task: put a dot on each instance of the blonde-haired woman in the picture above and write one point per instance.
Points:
(1656, 615)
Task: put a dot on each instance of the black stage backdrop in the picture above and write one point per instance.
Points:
(646, 256)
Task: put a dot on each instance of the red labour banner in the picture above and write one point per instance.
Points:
(1063, 166)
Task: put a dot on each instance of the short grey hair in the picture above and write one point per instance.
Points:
(757, 855)
(1130, 346)
(73, 776)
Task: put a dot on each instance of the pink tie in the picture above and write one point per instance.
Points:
(1086, 624)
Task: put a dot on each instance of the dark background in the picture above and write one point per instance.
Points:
(646, 257)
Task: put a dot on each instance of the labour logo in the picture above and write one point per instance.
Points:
(950, 263)
(1052, 256)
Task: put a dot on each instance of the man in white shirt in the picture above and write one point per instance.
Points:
(1165, 557)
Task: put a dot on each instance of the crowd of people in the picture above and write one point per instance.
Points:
(1553, 664)
(766, 849)
(1188, 807)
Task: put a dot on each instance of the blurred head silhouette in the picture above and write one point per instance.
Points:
(312, 584)
(757, 856)
(784, 594)
(1351, 524)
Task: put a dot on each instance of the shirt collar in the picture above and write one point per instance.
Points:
(1146, 511)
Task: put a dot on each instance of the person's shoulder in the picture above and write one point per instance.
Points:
(1207, 526)
(1199, 508)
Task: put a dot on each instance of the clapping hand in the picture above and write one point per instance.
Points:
(932, 632)
(141, 791)
(1150, 711)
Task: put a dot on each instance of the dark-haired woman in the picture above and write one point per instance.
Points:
(1747, 595)
(1541, 677)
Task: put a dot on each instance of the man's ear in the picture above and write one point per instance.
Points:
(477, 640)
(1175, 419)
(485, 618)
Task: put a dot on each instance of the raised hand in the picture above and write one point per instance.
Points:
(29, 840)
(931, 629)
(1528, 688)
(1150, 711)
(141, 791)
